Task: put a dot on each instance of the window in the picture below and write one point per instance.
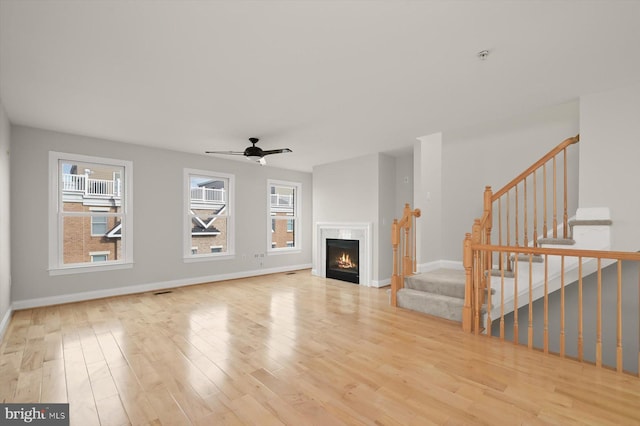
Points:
(99, 256)
(283, 216)
(208, 229)
(98, 226)
(90, 218)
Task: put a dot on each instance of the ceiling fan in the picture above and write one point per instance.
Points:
(253, 152)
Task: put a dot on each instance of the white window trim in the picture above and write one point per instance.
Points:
(100, 253)
(296, 216)
(186, 205)
(56, 265)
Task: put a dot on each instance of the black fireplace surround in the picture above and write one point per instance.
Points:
(343, 260)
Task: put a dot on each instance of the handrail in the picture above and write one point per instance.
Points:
(548, 156)
(405, 263)
(619, 255)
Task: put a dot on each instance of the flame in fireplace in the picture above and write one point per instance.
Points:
(344, 261)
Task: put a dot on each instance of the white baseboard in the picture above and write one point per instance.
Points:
(381, 283)
(142, 288)
(426, 267)
(440, 264)
(4, 324)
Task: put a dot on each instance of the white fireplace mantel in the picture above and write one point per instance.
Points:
(361, 231)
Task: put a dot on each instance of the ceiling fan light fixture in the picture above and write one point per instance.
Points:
(254, 157)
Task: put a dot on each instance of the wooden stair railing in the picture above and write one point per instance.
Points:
(514, 211)
(403, 239)
(520, 221)
(586, 326)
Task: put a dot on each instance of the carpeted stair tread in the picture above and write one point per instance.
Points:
(557, 241)
(498, 273)
(447, 282)
(430, 303)
(590, 222)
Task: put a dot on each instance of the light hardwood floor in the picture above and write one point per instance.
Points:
(291, 349)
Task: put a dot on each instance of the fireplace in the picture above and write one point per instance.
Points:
(343, 260)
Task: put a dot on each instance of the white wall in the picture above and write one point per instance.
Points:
(158, 220)
(609, 160)
(5, 229)
(493, 154)
(427, 197)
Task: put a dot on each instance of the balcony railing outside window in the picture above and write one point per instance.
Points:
(113, 188)
(281, 200)
(92, 187)
(208, 195)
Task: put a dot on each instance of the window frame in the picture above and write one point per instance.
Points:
(57, 215)
(230, 212)
(94, 254)
(295, 216)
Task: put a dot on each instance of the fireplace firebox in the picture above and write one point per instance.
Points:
(342, 260)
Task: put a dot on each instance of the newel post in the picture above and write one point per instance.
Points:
(395, 278)
(488, 210)
(468, 289)
(477, 275)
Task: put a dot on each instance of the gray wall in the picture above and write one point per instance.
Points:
(387, 203)
(347, 191)
(609, 156)
(404, 183)
(158, 216)
(364, 189)
(5, 236)
(493, 154)
(428, 190)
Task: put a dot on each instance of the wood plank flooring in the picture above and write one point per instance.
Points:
(291, 349)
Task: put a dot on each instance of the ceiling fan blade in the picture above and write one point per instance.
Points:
(276, 151)
(225, 152)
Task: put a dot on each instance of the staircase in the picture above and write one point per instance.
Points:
(439, 293)
(532, 274)
(590, 229)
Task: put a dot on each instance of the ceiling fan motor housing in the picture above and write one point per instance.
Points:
(253, 151)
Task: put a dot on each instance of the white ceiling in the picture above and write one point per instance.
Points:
(328, 79)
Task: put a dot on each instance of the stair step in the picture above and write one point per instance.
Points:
(438, 305)
(557, 241)
(498, 273)
(590, 222)
(536, 258)
(446, 282)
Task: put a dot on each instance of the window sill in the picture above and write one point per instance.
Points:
(206, 258)
(89, 268)
(283, 251)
